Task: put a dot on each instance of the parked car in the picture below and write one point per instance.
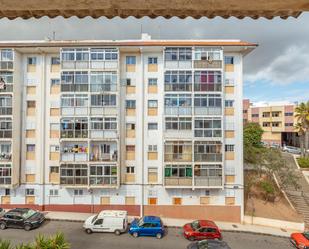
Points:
(208, 244)
(147, 226)
(25, 218)
(111, 221)
(2, 212)
(291, 149)
(201, 229)
(300, 240)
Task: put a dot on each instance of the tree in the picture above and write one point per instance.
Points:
(302, 126)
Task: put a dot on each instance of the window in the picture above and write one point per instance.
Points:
(103, 100)
(130, 169)
(7, 192)
(152, 201)
(207, 81)
(229, 147)
(178, 151)
(54, 148)
(289, 124)
(74, 174)
(276, 124)
(54, 127)
(177, 201)
(128, 82)
(6, 55)
(81, 54)
(255, 115)
(152, 148)
(266, 124)
(229, 103)
(206, 127)
(207, 151)
(152, 103)
(68, 54)
(31, 104)
(98, 222)
(152, 60)
(266, 114)
(53, 192)
(78, 192)
(178, 54)
(31, 60)
(178, 123)
(208, 170)
(130, 60)
(30, 147)
(275, 114)
(29, 191)
(103, 174)
(104, 54)
(55, 61)
(5, 173)
(288, 114)
(152, 126)
(174, 170)
(130, 126)
(207, 54)
(103, 81)
(130, 148)
(228, 59)
(152, 81)
(54, 169)
(178, 100)
(54, 82)
(130, 104)
(178, 81)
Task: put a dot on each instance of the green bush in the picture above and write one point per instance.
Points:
(267, 187)
(303, 162)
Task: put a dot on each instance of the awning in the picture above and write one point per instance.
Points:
(152, 8)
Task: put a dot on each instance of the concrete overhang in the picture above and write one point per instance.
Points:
(153, 8)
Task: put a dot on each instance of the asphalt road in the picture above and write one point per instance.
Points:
(173, 240)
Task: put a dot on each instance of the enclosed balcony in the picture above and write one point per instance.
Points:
(6, 59)
(5, 152)
(103, 82)
(177, 151)
(208, 175)
(207, 58)
(74, 81)
(207, 81)
(74, 174)
(103, 175)
(178, 104)
(106, 58)
(74, 104)
(207, 104)
(6, 105)
(74, 128)
(178, 81)
(74, 152)
(5, 127)
(75, 58)
(104, 104)
(5, 174)
(208, 151)
(6, 81)
(178, 175)
(103, 127)
(178, 58)
(103, 152)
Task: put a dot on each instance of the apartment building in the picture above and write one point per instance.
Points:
(276, 119)
(149, 126)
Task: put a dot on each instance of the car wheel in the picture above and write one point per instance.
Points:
(159, 235)
(89, 231)
(135, 234)
(27, 227)
(117, 232)
(191, 238)
(2, 226)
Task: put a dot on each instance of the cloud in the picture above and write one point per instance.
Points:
(292, 66)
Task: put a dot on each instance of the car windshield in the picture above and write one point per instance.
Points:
(28, 214)
(140, 222)
(306, 235)
(195, 225)
(94, 218)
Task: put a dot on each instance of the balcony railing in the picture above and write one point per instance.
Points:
(65, 180)
(211, 181)
(207, 110)
(207, 64)
(178, 157)
(94, 157)
(178, 181)
(8, 88)
(75, 64)
(74, 134)
(208, 157)
(178, 87)
(5, 156)
(178, 110)
(74, 157)
(74, 87)
(6, 65)
(103, 180)
(6, 134)
(208, 87)
(103, 87)
(5, 180)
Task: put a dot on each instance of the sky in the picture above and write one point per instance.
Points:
(278, 70)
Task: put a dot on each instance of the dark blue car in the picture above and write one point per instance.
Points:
(147, 226)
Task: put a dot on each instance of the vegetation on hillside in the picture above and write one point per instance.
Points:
(302, 126)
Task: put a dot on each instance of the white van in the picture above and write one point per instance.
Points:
(110, 221)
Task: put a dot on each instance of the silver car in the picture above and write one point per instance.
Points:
(291, 149)
(2, 212)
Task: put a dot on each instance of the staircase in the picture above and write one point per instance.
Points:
(300, 197)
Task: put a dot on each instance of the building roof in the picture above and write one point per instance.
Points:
(153, 8)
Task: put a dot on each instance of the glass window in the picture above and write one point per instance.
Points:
(152, 60)
(228, 59)
(31, 60)
(29, 191)
(130, 60)
(152, 103)
(152, 81)
(229, 103)
(130, 104)
(152, 126)
(55, 60)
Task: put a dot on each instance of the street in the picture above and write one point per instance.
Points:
(79, 239)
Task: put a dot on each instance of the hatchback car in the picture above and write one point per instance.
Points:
(208, 244)
(201, 229)
(25, 218)
(291, 149)
(300, 240)
(147, 226)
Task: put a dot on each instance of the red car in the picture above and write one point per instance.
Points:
(201, 229)
(300, 240)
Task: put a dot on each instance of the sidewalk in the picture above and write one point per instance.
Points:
(224, 226)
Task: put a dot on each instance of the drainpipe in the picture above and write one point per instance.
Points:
(143, 127)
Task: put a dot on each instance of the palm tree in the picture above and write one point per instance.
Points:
(302, 126)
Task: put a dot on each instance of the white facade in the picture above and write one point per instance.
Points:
(127, 123)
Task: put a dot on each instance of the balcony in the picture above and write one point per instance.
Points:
(74, 87)
(177, 181)
(178, 110)
(74, 174)
(5, 156)
(72, 111)
(178, 157)
(103, 152)
(6, 110)
(207, 110)
(207, 157)
(207, 64)
(5, 174)
(111, 64)
(75, 64)
(211, 181)
(6, 65)
(7, 89)
(74, 134)
(178, 87)
(5, 133)
(103, 134)
(74, 152)
(207, 87)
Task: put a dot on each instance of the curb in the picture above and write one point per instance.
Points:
(223, 230)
